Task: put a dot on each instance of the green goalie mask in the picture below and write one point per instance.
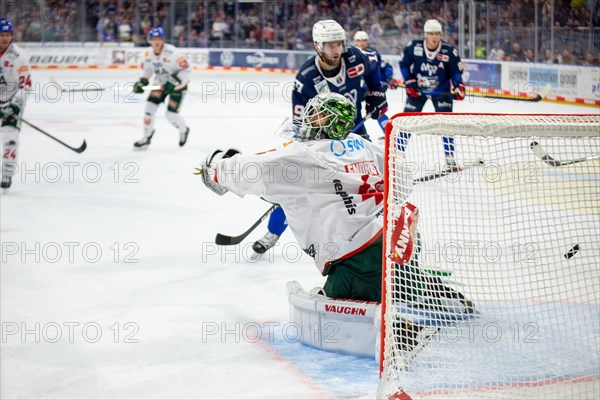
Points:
(328, 115)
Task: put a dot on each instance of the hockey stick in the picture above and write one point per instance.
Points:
(545, 157)
(533, 98)
(79, 149)
(93, 89)
(225, 240)
(448, 171)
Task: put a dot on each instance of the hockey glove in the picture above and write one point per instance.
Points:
(138, 87)
(459, 92)
(376, 103)
(11, 110)
(412, 89)
(170, 84)
(393, 84)
(208, 169)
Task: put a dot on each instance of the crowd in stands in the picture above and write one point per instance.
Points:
(506, 27)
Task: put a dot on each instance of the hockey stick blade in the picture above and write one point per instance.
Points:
(448, 171)
(225, 240)
(79, 149)
(541, 95)
(545, 157)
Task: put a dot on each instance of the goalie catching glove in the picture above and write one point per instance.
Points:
(138, 87)
(208, 171)
(376, 103)
(459, 92)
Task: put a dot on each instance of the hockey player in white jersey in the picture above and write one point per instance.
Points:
(171, 72)
(335, 208)
(15, 83)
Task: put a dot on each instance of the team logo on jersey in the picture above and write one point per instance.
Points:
(443, 57)
(355, 71)
(322, 87)
(418, 51)
(430, 69)
(351, 59)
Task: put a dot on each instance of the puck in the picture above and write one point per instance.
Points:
(569, 254)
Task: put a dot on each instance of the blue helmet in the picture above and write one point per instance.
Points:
(156, 32)
(5, 25)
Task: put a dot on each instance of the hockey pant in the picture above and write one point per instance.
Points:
(174, 104)
(10, 129)
(441, 103)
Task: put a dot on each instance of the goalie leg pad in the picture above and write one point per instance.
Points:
(335, 325)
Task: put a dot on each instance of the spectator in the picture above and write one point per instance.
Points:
(530, 55)
(517, 54)
(589, 60)
(567, 58)
(497, 54)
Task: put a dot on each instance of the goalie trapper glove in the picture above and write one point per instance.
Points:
(170, 84)
(138, 87)
(9, 110)
(208, 172)
(459, 92)
(376, 103)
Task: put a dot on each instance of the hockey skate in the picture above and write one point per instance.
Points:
(265, 243)
(144, 142)
(6, 181)
(183, 137)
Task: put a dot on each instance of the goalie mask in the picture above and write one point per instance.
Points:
(328, 115)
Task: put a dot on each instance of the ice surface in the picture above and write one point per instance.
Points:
(111, 285)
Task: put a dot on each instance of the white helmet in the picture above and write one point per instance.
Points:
(432, 25)
(328, 31)
(361, 35)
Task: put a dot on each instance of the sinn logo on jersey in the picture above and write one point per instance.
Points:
(356, 71)
(339, 190)
(443, 57)
(347, 146)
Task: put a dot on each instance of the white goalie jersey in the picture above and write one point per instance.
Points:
(15, 77)
(331, 192)
(164, 65)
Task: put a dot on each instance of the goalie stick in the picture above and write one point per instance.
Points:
(545, 157)
(79, 149)
(448, 171)
(225, 240)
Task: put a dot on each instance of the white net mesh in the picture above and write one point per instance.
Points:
(501, 296)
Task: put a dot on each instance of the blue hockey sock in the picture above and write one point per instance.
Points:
(383, 120)
(277, 221)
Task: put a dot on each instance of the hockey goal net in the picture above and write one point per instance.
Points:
(499, 295)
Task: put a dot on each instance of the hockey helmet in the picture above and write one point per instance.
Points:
(328, 115)
(432, 25)
(361, 35)
(5, 25)
(156, 32)
(328, 31)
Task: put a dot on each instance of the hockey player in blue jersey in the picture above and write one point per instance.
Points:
(432, 69)
(361, 40)
(335, 68)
